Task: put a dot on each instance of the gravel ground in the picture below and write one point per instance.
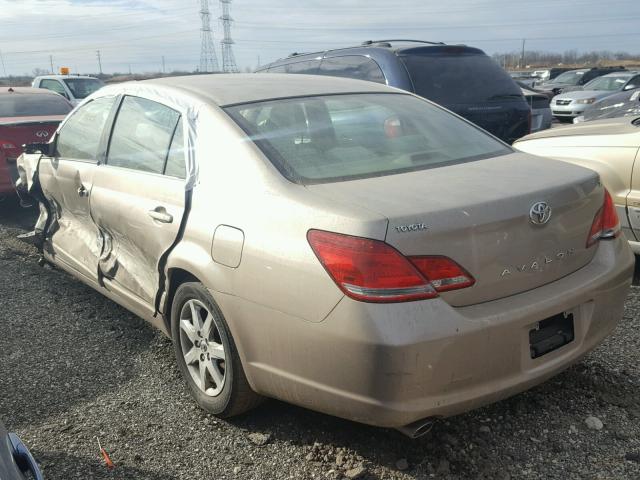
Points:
(74, 366)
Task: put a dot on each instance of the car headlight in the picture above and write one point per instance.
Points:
(586, 100)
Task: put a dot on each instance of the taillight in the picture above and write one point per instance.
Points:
(373, 271)
(606, 224)
(8, 149)
(443, 273)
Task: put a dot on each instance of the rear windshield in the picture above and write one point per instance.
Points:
(30, 105)
(569, 78)
(83, 87)
(343, 137)
(458, 79)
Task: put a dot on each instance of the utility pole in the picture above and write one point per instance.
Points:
(99, 60)
(129, 69)
(163, 65)
(522, 56)
(208, 57)
(4, 69)
(228, 59)
(51, 61)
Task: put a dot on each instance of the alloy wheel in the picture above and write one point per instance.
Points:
(202, 347)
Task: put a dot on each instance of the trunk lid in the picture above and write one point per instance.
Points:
(22, 130)
(478, 214)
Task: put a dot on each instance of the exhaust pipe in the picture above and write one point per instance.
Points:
(419, 428)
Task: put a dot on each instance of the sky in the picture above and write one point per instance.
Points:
(135, 34)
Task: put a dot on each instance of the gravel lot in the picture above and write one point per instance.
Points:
(74, 366)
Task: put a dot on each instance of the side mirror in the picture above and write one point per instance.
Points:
(630, 87)
(47, 149)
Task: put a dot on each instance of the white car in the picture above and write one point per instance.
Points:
(74, 88)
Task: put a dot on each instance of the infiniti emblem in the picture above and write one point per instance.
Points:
(540, 213)
(42, 134)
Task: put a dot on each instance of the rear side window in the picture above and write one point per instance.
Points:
(141, 135)
(352, 66)
(79, 137)
(33, 105)
(309, 67)
(450, 79)
(54, 86)
(344, 137)
(175, 160)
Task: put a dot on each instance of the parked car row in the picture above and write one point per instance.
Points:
(568, 106)
(307, 239)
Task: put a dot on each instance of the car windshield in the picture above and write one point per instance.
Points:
(343, 137)
(32, 105)
(83, 87)
(607, 83)
(459, 79)
(569, 78)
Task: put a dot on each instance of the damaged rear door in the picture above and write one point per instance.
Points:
(66, 180)
(138, 198)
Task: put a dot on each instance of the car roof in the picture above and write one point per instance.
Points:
(231, 89)
(57, 77)
(25, 90)
(376, 49)
(622, 73)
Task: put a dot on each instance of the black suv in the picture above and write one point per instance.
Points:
(461, 78)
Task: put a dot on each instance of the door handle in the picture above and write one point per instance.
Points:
(160, 214)
(82, 191)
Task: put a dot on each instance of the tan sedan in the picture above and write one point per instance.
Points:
(336, 244)
(611, 147)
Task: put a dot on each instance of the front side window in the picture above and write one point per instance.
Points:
(54, 86)
(352, 66)
(83, 87)
(345, 137)
(79, 137)
(33, 105)
(141, 135)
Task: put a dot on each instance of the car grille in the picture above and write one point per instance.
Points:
(563, 102)
(561, 112)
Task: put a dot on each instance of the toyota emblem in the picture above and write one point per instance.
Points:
(540, 213)
(42, 134)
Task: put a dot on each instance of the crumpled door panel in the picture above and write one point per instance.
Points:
(139, 216)
(71, 236)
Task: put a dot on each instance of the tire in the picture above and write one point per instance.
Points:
(223, 390)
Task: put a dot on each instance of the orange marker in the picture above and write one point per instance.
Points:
(105, 456)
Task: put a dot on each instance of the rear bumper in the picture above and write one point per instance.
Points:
(6, 184)
(391, 365)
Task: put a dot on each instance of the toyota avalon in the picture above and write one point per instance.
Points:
(337, 244)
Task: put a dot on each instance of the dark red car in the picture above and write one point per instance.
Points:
(27, 115)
